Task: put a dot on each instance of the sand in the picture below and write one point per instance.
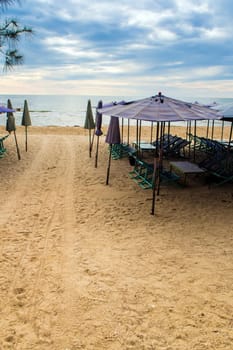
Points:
(86, 266)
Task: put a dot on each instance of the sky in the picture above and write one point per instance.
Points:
(123, 48)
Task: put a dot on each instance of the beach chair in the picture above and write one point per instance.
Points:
(220, 167)
(122, 150)
(142, 173)
(178, 147)
(2, 147)
(168, 176)
(167, 141)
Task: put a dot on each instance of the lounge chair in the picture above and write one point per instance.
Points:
(122, 150)
(178, 148)
(143, 174)
(220, 167)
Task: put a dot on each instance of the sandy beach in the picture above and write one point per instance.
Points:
(85, 266)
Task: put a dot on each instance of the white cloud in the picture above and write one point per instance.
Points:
(216, 33)
(118, 45)
(162, 35)
(199, 6)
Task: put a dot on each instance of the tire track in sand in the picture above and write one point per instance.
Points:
(52, 220)
(67, 322)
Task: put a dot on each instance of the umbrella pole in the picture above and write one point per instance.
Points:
(140, 131)
(92, 140)
(122, 130)
(97, 151)
(128, 132)
(109, 164)
(154, 188)
(169, 128)
(151, 132)
(90, 146)
(222, 130)
(189, 136)
(137, 138)
(17, 147)
(230, 136)
(195, 134)
(212, 135)
(160, 165)
(157, 139)
(207, 130)
(26, 138)
(137, 132)
(158, 178)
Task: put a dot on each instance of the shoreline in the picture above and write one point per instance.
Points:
(146, 130)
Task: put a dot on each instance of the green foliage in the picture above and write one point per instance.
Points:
(10, 33)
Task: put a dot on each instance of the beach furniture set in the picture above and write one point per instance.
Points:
(217, 159)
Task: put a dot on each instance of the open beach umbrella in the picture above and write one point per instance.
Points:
(227, 112)
(98, 131)
(4, 109)
(160, 108)
(10, 125)
(26, 121)
(113, 137)
(89, 124)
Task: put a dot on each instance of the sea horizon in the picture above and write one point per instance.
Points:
(70, 110)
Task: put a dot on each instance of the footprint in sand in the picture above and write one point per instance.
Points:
(19, 290)
(20, 296)
(10, 339)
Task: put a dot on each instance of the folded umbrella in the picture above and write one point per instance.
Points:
(98, 131)
(26, 120)
(89, 124)
(113, 137)
(10, 125)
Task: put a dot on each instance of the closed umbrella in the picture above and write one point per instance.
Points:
(89, 124)
(10, 125)
(113, 137)
(98, 131)
(26, 121)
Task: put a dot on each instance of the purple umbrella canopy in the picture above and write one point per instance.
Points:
(160, 108)
(113, 134)
(226, 110)
(98, 131)
(113, 137)
(98, 120)
(4, 109)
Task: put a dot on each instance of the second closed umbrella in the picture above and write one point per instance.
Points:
(26, 121)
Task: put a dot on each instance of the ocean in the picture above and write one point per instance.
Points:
(69, 110)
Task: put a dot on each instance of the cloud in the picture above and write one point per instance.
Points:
(121, 45)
